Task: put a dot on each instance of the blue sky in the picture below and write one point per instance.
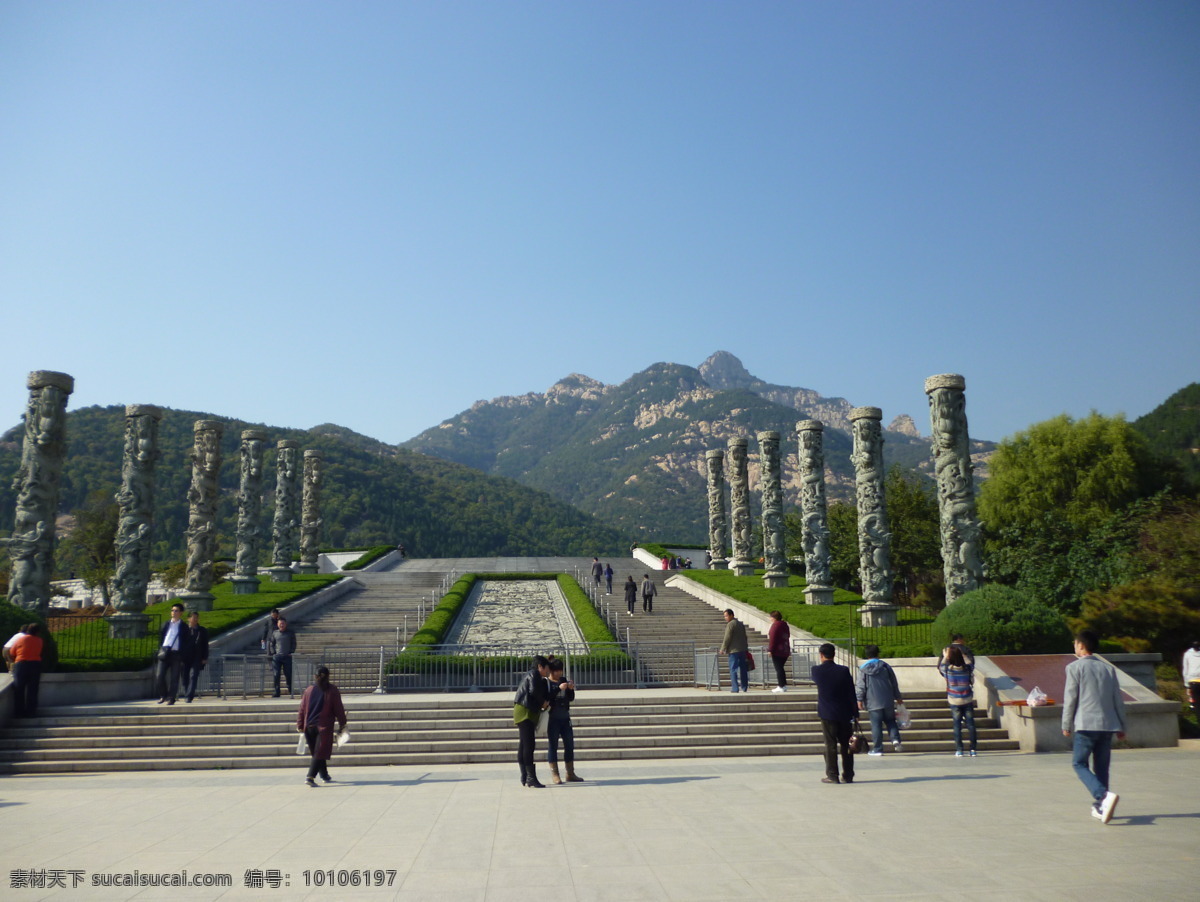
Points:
(375, 214)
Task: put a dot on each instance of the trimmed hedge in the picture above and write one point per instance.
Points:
(229, 610)
(421, 647)
(372, 555)
(999, 620)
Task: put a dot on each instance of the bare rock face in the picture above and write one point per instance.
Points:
(904, 424)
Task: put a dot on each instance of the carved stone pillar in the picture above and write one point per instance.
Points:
(249, 527)
(31, 545)
(814, 512)
(961, 538)
(739, 505)
(715, 461)
(287, 500)
(874, 539)
(135, 528)
(310, 524)
(774, 556)
(202, 514)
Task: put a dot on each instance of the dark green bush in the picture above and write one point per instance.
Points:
(372, 554)
(999, 620)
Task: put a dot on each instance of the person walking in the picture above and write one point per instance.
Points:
(649, 590)
(878, 694)
(597, 570)
(959, 677)
(1191, 675)
(837, 711)
(1093, 710)
(533, 697)
(608, 575)
(267, 641)
(562, 693)
(281, 658)
(779, 646)
(195, 656)
(320, 709)
(737, 646)
(26, 669)
(631, 590)
(173, 639)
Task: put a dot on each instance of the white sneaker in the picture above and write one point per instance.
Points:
(1108, 805)
(1096, 813)
(875, 752)
(972, 753)
(897, 747)
(779, 689)
(958, 754)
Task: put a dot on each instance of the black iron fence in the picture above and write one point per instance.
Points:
(910, 637)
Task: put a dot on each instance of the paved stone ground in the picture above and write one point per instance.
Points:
(914, 826)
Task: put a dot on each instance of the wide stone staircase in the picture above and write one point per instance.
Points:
(450, 729)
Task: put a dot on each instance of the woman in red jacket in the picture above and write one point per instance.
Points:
(779, 645)
(320, 707)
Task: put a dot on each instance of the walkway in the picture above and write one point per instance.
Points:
(1006, 826)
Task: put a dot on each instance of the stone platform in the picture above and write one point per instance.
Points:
(1005, 826)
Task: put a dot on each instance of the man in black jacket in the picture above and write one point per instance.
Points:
(174, 641)
(837, 708)
(281, 658)
(195, 655)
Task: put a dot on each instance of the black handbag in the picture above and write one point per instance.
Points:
(858, 742)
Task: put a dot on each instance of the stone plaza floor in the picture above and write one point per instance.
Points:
(913, 826)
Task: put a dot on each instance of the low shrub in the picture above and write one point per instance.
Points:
(371, 555)
(999, 620)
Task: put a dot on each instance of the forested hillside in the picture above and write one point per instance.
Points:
(1173, 430)
(374, 493)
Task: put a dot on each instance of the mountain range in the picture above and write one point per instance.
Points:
(632, 454)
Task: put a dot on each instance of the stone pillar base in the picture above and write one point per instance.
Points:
(743, 568)
(309, 569)
(775, 580)
(818, 595)
(718, 563)
(127, 626)
(196, 601)
(281, 574)
(244, 585)
(878, 614)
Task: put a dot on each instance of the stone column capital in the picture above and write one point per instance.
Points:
(143, 410)
(736, 443)
(865, 413)
(208, 426)
(45, 378)
(768, 435)
(714, 454)
(254, 435)
(284, 443)
(945, 380)
(810, 426)
(313, 454)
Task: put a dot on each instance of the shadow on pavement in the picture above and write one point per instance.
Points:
(858, 778)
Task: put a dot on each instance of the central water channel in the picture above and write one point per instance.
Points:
(524, 612)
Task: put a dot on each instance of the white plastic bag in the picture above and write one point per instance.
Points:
(301, 745)
(342, 738)
(903, 718)
(1037, 698)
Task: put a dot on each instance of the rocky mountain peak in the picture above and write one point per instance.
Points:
(904, 424)
(722, 370)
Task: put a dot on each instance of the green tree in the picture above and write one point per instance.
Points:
(1082, 471)
(90, 548)
(912, 510)
(843, 545)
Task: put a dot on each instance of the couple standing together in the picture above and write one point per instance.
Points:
(544, 696)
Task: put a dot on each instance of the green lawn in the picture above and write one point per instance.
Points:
(834, 622)
(87, 647)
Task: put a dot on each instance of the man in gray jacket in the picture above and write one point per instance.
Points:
(878, 694)
(1094, 710)
(736, 644)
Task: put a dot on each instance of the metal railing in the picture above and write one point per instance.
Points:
(914, 628)
(457, 668)
(80, 638)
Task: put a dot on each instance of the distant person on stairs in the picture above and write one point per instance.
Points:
(597, 570)
(533, 698)
(630, 593)
(779, 644)
(649, 590)
(562, 693)
(195, 656)
(268, 633)
(319, 709)
(281, 660)
(878, 694)
(26, 670)
(1191, 675)
(737, 646)
(608, 575)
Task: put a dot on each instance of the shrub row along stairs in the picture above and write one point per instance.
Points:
(445, 729)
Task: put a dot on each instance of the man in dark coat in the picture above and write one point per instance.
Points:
(173, 644)
(195, 655)
(837, 709)
(284, 639)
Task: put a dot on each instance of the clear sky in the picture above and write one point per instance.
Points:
(377, 213)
